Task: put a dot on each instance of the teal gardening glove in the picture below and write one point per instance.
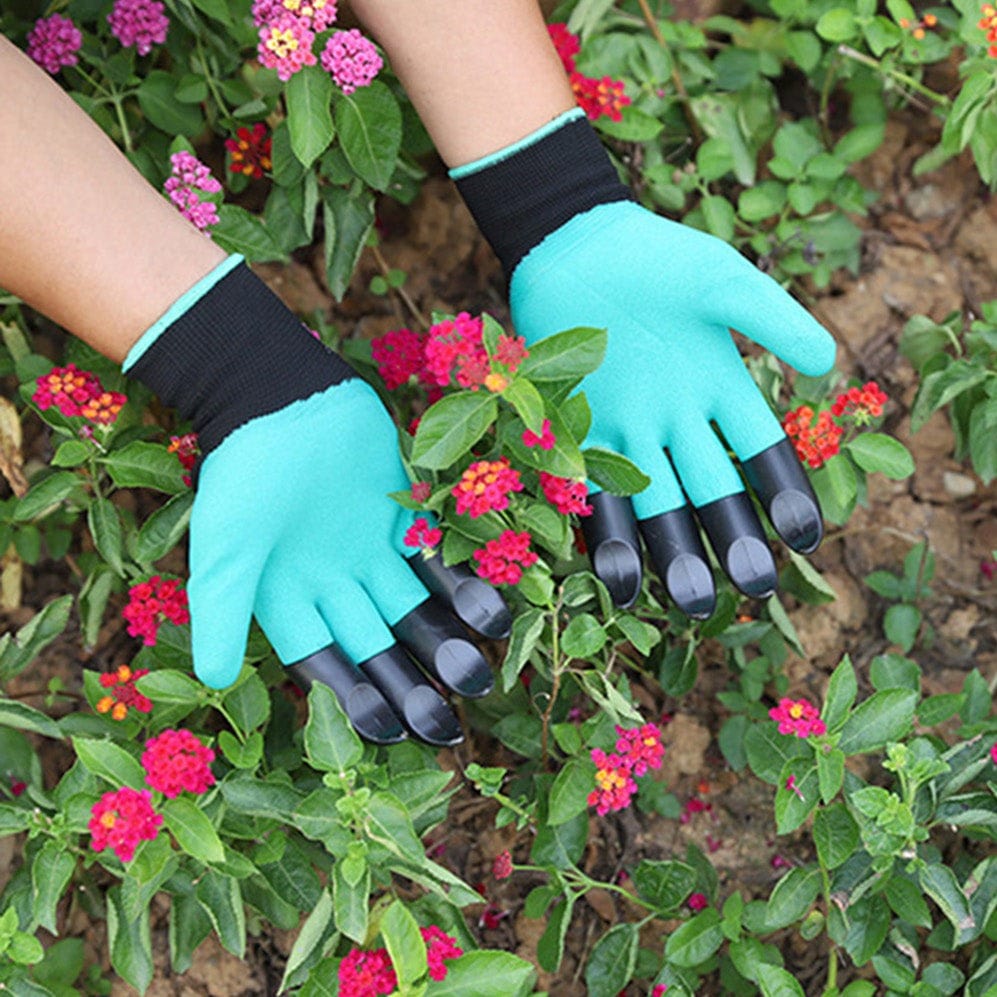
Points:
(292, 521)
(577, 250)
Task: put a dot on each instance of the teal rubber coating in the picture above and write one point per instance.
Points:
(179, 307)
(293, 524)
(459, 172)
(668, 295)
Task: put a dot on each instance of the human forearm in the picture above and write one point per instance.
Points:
(83, 237)
(481, 74)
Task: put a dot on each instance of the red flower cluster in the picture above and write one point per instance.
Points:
(76, 392)
(815, 443)
(439, 947)
(175, 761)
(421, 534)
(185, 447)
(150, 603)
(502, 866)
(501, 561)
(249, 151)
(370, 974)
(637, 750)
(122, 693)
(596, 97)
(862, 405)
(988, 23)
(399, 354)
(797, 716)
(565, 495)
(545, 440)
(121, 819)
(485, 487)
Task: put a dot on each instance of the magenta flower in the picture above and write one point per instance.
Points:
(121, 819)
(175, 761)
(53, 43)
(501, 561)
(545, 440)
(139, 24)
(188, 176)
(797, 716)
(286, 45)
(351, 60)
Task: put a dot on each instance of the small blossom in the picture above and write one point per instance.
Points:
(694, 805)
(495, 382)
(861, 405)
(175, 761)
(102, 407)
(122, 693)
(285, 44)
(249, 151)
(53, 43)
(918, 28)
(421, 534)
(566, 495)
(988, 568)
(713, 844)
(351, 60)
(697, 901)
(566, 43)
(502, 866)
(439, 947)
(485, 486)
(186, 449)
(815, 444)
(614, 784)
(150, 602)
(988, 23)
(993, 753)
(599, 98)
(398, 355)
(779, 862)
(641, 747)
(545, 440)
(188, 176)
(139, 24)
(454, 348)
(511, 351)
(121, 819)
(317, 15)
(793, 788)
(491, 917)
(797, 716)
(17, 786)
(659, 990)
(501, 561)
(366, 974)
(421, 490)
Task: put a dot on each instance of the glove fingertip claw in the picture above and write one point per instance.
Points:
(482, 608)
(430, 718)
(751, 567)
(617, 564)
(796, 518)
(371, 716)
(690, 584)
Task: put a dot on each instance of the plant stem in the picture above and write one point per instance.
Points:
(894, 74)
(555, 670)
(126, 135)
(382, 265)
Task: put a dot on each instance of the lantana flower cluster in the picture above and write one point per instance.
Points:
(596, 97)
(919, 28)
(150, 603)
(139, 24)
(122, 694)
(189, 177)
(502, 561)
(817, 442)
(76, 392)
(186, 450)
(370, 973)
(53, 43)
(637, 750)
(174, 761)
(797, 716)
(988, 23)
(250, 151)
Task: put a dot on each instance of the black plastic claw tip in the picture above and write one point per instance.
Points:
(614, 546)
(475, 602)
(368, 711)
(437, 642)
(673, 542)
(739, 542)
(424, 711)
(777, 478)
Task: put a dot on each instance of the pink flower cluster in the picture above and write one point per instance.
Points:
(485, 486)
(176, 761)
(502, 865)
(596, 97)
(121, 819)
(797, 716)
(139, 24)
(565, 495)
(150, 602)
(370, 974)
(545, 440)
(188, 176)
(421, 534)
(452, 351)
(76, 392)
(637, 750)
(53, 43)
(351, 60)
(501, 561)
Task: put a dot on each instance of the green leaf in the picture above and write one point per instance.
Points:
(719, 215)
(105, 528)
(569, 793)
(348, 216)
(51, 869)
(247, 704)
(939, 882)
(841, 692)
(145, 465)
(129, 942)
(769, 751)
(901, 625)
(550, 948)
(565, 355)
(157, 98)
(696, 940)
(45, 494)
(164, 529)
(240, 231)
(221, 899)
(830, 773)
(109, 762)
(757, 203)
(526, 630)
(773, 981)
(583, 637)
(878, 452)
(792, 897)
(836, 488)
(837, 25)
(612, 962)
(404, 943)
(369, 122)
(885, 716)
(23, 717)
(451, 426)
(194, 832)
(71, 453)
(331, 743)
(485, 974)
(171, 687)
(351, 903)
(308, 94)
(19, 650)
(664, 884)
(310, 944)
(835, 834)
(242, 756)
(614, 472)
(526, 400)
(389, 823)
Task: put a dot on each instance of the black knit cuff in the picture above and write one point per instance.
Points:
(237, 353)
(518, 201)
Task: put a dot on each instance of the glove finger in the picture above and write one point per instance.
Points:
(362, 702)
(613, 546)
(702, 463)
(755, 304)
(471, 599)
(738, 540)
(677, 553)
(352, 618)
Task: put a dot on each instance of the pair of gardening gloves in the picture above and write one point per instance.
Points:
(292, 522)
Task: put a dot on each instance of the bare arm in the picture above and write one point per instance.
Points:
(482, 74)
(83, 237)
